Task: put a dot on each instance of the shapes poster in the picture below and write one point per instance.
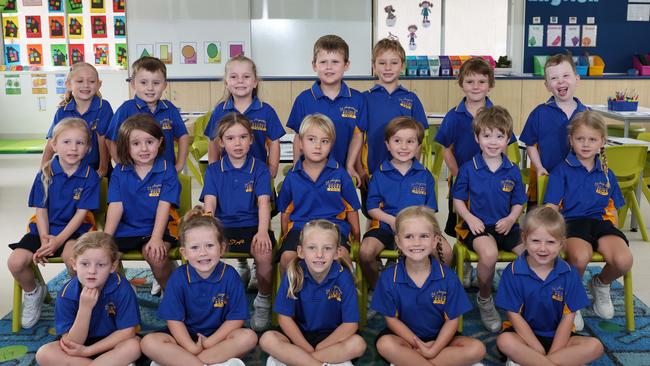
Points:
(188, 53)
(76, 53)
(589, 35)
(35, 54)
(10, 27)
(33, 26)
(121, 55)
(212, 52)
(572, 36)
(535, 35)
(12, 84)
(164, 52)
(57, 25)
(55, 6)
(59, 55)
(59, 83)
(119, 26)
(553, 35)
(75, 27)
(39, 83)
(74, 6)
(119, 6)
(98, 26)
(144, 50)
(97, 6)
(100, 53)
(12, 54)
(235, 49)
(11, 7)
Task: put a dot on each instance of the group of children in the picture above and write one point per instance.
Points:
(344, 140)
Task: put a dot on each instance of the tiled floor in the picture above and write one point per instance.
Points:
(17, 174)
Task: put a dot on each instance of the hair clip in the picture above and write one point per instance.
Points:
(207, 213)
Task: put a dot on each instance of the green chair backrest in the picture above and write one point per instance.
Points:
(627, 163)
(542, 182)
(186, 194)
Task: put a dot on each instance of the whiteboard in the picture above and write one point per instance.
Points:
(165, 28)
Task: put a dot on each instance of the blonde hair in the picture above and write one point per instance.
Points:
(476, 65)
(96, 240)
(594, 121)
(558, 59)
(67, 97)
(320, 121)
(387, 44)
(332, 43)
(295, 275)
(230, 120)
(422, 212)
(493, 118)
(239, 58)
(63, 125)
(546, 217)
(196, 217)
(403, 123)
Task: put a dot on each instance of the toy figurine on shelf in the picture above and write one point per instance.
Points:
(390, 18)
(426, 10)
(412, 36)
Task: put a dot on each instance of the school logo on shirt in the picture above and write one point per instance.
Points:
(93, 125)
(439, 297)
(166, 124)
(76, 193)
(601, 188)
(406, 103)
(507, 185)
(154, 190)
(419, 188)
(557, 294)
(335, 293)
(249, 186)
(349, 112)
(220, 300)
(333, 185)
(258, 125)
(111, 310)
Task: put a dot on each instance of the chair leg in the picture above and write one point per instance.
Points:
(646, 192)
(622, 215)
(629, 301)
(459, 257)
(634, 205)
(17, 308)
(363, 298)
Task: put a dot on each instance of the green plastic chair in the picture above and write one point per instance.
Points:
(645, 136)
(198, 148)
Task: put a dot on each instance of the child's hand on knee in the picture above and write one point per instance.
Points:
(475, 225)
(72, 348)
(262, 242)
(504, 225)
(156, 249)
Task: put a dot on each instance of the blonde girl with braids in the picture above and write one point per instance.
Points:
(317, 305)
(421, 299)
(83, 100)
(204, 304)
(587, 194)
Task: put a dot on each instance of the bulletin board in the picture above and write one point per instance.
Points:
(616, 39)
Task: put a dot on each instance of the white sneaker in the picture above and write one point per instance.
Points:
(467, 275)
(261, 319)
(489, 315)
(271, 361)
(156, 289)
(602, 306)
(370, 312)
(346, 363)
(32, 305)
(478, 364)
(252, 283)
(230, 362)
(243, 270)
(511, 362)
(578, 322)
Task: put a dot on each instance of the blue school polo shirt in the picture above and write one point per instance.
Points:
(347, 111)
(542, 303)
(237, 190)
(382, 108)
(204, 304)
(65, 196)
(547, 126)
(98, 116)
(490, 196)
(116, 307)
(391, 191)
(264, 121)
(320, 307)
(166, 114)
(581, 193)
(140, 197)
(329, 197)
(425, 309)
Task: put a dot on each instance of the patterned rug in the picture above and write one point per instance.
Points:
(621, 348)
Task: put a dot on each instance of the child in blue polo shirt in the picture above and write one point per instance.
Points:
(541, 293)
(421, 299)
(399, 182)
(587, 193)
(316, 304)
(317, 188)
(333, 98)
(96, 312)
(545, 131)
(143, 189)
(237, 190)
(83, 100)
(489, 197)
(204, 304)
(65, 192)
(149, 80)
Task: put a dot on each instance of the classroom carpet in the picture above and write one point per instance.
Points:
(621, 348)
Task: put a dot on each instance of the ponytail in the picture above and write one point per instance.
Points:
(603, 164)
(46, 178)
(295, 278)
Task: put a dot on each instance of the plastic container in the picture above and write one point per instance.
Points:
(596, 66)
(582, 70)
(622, 105)
(643, 70)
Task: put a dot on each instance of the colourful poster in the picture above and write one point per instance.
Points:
(12, 54)
(35, 54)
(212, 52)
(55, 6)
(10, 26)
(164, 52)
(74, 6)
(119, 25)
(121, 55)
(39, 83)
(119, 6)
(589, 34)
(32, 2)
(59, 81)
(75, 27)
(188, 53)
(57, 25)
(97, 6)
(100, 52)
(553, 35)
(12, 84)
(98, 26)
(59, 55)
(11, 7)
(76, 53)
(33, 26)
(236, 48)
